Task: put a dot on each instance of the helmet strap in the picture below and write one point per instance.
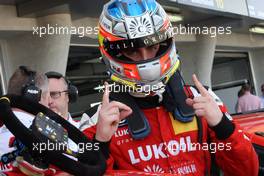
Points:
(174, 99)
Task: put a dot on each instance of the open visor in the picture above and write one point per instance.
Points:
(146, 41)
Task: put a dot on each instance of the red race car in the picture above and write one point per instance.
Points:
(253, 124)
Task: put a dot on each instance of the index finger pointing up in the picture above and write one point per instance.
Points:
(199, 86)
(105, 100)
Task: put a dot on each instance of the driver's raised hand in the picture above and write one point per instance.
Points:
(205, 105)
(110, 114)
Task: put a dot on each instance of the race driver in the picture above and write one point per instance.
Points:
(160, 134)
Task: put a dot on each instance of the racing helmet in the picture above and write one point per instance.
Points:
(132, 24)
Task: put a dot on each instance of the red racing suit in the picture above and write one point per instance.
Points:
(173, 146)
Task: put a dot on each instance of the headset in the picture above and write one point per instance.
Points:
(30, 90)
(72, 90)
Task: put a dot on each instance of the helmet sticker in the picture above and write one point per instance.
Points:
(117, 67)
(139, 42)
(158, 22)
(139, 26)
(106, 24)
(119, 29)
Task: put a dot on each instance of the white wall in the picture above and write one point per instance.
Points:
(197, 58)
(41, 53)
(20, 47)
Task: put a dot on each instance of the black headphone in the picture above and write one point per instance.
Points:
(30, 90)
(72, 90)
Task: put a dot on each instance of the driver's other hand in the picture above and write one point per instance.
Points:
(110, 114)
